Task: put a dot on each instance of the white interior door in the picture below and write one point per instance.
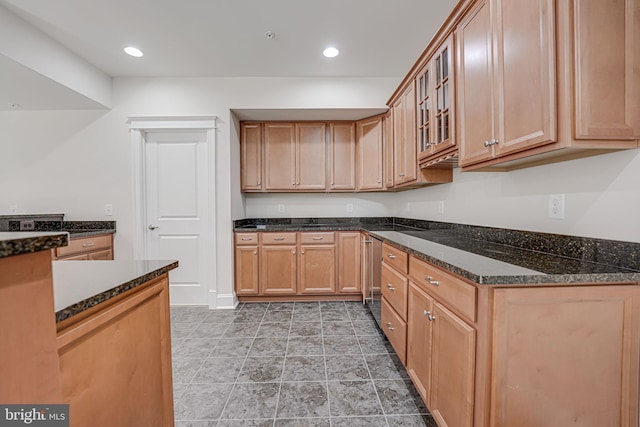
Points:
(176, 192)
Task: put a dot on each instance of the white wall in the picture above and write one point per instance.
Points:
(318, 205)
(74, 162)
(602, 198)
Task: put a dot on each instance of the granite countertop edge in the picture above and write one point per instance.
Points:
(524, 279)
(111, 293)
(77, 233)
(19, 243)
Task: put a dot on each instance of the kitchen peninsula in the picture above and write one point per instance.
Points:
(84, 333)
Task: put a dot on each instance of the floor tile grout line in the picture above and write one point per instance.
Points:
(375, 389)
(326, 374)
(284, 363)
(235, 382)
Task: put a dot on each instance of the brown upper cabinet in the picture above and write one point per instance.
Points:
(405, 160)
(370, 154)
(541, 81)
(333, 156)
(511, 55)
(251, 155)
(295, 156)
(342, 156)
(435, 94)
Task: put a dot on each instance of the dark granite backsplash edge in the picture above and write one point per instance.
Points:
(611, 252)
(47, 225)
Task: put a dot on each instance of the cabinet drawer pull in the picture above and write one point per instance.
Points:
(317, 238)
(390, 287)
(247, 238)
(433, 282)
(389, 327)
(392, 256)
(430, 316)
(278, 238)
(87, 245)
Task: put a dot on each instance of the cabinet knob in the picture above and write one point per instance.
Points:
(255, 252)
(302, 252)
(153, 227)
(389, 327)
(390, 287)
(425, 313)
(430, 316)
(293, 251)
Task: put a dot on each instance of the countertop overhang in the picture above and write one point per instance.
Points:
(80, 285)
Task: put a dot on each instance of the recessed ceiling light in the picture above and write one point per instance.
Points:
(133, 51)
(331, 52)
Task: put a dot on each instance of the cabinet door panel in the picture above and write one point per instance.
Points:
(444, 93)
(101, 255)
(278, 272)
(342, 148)
(410, 145)
(419, 339)
(247, 270)
(452, 369)
(311, 163)
(606, 69)
(280, 156)
(397, 112)
(349, 262)
(251, 156)
(388, 149)
(572, 351)
(370, 154)
(317, 269)
(524, 67)
(474, 86)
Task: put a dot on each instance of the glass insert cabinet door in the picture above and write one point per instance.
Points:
(435, 109)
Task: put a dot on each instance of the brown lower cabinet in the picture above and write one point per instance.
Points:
(118, 355)
(515, 355)
(297, 265)
(99, 247)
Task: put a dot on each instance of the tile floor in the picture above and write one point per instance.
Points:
(288, 364)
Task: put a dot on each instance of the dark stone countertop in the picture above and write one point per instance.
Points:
(80, 285)
(76, 234)
(18, 243)
(487, 255)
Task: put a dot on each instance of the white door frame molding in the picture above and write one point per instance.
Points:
(138, 126)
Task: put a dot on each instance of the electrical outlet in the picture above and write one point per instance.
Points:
(27, 225)
(441, 207)
(13, 209)
(280, 208)
(108, 209)
(349, 207)
(556, 206)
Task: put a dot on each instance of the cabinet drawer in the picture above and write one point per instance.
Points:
(395, 257)
(85, 244)
(322, 238)
(394, 289)
(278, 238)
(246, 239)
(453, 292)
(395, 329)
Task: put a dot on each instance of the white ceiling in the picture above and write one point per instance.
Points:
(377, 38)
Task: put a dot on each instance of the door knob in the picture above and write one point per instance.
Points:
(152, 227)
